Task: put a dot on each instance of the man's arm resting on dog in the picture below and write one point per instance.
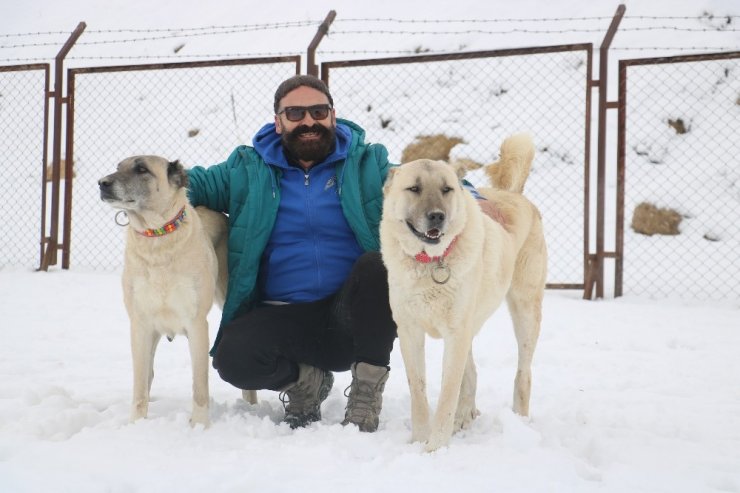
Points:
(211, 186)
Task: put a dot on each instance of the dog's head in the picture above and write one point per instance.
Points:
(424, 203)
(143, 183)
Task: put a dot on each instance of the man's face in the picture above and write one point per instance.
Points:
(307, 139)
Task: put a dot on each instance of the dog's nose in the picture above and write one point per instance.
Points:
(106, 188)
(435, 218)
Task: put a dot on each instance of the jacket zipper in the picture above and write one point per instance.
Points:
(310, 220)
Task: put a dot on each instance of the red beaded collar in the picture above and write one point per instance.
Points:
(424, 258)
(167, 228)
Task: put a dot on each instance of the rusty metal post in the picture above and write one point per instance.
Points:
(621, 143)
(311, 67)
(44, 161)
(69, 172)
(587, 171)
(52, 243)
(596, 274)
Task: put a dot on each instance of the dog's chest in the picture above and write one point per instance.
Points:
(424, 303)
(165, 302)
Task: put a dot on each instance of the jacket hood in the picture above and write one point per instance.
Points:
(269, 145)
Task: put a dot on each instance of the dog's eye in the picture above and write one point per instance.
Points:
(414, 189)
(446, 190)
(141, 169)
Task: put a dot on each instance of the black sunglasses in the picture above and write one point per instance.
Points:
(298, 113)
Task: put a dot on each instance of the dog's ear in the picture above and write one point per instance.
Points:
(391, 171)
(177, 174)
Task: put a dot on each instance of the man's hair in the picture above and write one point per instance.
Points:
(297, 81)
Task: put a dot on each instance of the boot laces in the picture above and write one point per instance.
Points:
(363, 400)
(302, 397)
(297, 399)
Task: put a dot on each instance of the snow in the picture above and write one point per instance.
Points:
(629, 395)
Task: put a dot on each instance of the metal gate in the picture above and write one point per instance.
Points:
(679, 151)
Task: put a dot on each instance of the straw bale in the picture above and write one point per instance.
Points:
(435, 147)
(651, 220)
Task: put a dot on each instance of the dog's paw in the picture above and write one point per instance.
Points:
(436, 441)
(419, 433)
(138, 411)
(200, 417)
(463, 419)
(204, 424)
(419, 437)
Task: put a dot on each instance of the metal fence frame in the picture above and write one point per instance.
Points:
(622, 127)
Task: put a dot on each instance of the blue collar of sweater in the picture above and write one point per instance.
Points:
(269, 145)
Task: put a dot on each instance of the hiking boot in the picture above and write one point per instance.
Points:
(365, 396)
(302, 399)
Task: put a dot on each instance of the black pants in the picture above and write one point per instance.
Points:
(262, 349)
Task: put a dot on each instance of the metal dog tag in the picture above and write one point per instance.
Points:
(121, 216)
(441, 272)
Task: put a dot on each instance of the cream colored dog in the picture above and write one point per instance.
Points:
(449, 268)
(174, 269)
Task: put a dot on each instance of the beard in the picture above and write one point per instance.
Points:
(314, 150)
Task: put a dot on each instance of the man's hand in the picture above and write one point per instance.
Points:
(492, 211)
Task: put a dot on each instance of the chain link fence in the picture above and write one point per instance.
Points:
(481, 99)
(22, 142)
(679, 118)
(197, 113)
(681, 149)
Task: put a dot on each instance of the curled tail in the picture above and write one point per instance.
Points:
(510, 172)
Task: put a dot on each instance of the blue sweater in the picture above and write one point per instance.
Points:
(311, 248)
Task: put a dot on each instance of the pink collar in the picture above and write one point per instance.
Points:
(167, 228)
(424, 258)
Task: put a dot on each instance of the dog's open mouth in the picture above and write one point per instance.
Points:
(431, 236)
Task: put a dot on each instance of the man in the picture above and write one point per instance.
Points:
(308, 292)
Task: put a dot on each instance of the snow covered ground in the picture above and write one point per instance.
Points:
(628, 395)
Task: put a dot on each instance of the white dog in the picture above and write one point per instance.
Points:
(174, 269)
(449, 268)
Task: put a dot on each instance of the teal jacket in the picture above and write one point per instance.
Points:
(248, 190)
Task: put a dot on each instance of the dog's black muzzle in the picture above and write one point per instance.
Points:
(106, 189)
(433, 233)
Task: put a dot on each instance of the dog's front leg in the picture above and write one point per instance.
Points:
(198, 344)
(143, 346)
(411, 341)
(456, 348)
